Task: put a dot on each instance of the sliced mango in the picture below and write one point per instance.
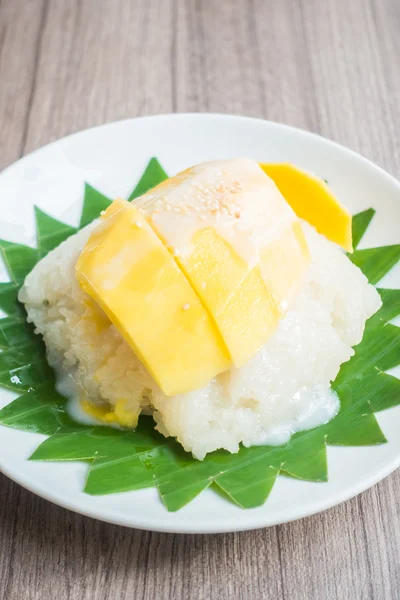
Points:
(129, 272)
(283, 266)
(239, 301)
(228, 206)
(249, 318)
(313, 201)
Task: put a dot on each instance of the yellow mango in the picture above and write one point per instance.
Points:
(283, 266)
(250, 317)
(240, 303)
(313, 201)
(129, 272)
(224, 222)
(118, 414)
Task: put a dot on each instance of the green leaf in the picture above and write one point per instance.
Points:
(376, 262)
(181, 479)
(372, 390)
(40, 411)
(247, 488)
(76, 443)
(389, 310)
(84, 442)
(360, 223)
(115, 456)
(355, 425)
(380, 389)
(123, 474)
(152, 176)
(377, 350)
(14, 333)
(121, 461)
(24, 368)
(94, 202)
(8, 298)
(305, 456)
(18, 259)
(383, 351)
(50, 232)
(361, 430)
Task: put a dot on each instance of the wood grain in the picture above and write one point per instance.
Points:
(331, 67)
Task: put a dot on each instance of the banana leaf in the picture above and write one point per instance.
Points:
(122, 461)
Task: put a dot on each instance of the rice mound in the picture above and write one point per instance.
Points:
(284, 388)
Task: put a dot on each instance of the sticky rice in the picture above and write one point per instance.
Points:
(284, 388)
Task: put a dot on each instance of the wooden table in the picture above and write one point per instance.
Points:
(330, 66)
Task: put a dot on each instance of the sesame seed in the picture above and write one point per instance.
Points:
(186, 306)
(176, 252)
(103, 212)
(203, 285)
(138, 224)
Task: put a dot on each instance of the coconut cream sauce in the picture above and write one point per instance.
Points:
(234, 197)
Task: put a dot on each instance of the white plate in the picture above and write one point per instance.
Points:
(111, 158)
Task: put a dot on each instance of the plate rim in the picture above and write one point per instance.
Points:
(201, 115)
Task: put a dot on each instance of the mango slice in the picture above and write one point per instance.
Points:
(243, 308)
(129, 272)
(283, 265)
(228, 227)
(313, 201)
